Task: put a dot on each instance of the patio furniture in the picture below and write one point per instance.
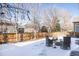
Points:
(66, 43)
(49, 42)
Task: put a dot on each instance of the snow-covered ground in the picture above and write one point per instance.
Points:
(34, 48)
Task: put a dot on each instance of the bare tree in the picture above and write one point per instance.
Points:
(66, 24)
(62, 16)
(51, 18)
(35, 16)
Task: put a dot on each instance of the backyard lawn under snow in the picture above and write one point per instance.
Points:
(34, 48)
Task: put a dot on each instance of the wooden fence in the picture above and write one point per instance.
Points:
(11, 37)
(76, 34)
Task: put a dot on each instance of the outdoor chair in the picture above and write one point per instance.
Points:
(49, 42)
(66, 43)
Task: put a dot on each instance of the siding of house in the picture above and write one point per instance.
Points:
(77, 27)
(10, 28)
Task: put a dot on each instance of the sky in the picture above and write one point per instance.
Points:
(73, 8)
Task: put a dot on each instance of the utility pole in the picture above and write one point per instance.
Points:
(16, 25)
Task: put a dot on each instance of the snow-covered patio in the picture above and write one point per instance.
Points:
(34, 48)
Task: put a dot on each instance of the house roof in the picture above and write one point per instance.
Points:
(29, 25)
(76, 22)
(2, 22)
(76, 19)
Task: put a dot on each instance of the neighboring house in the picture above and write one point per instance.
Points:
(29, 27)
(7, 26)
(76, 26)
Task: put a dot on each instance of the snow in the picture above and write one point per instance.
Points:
(34, 48)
